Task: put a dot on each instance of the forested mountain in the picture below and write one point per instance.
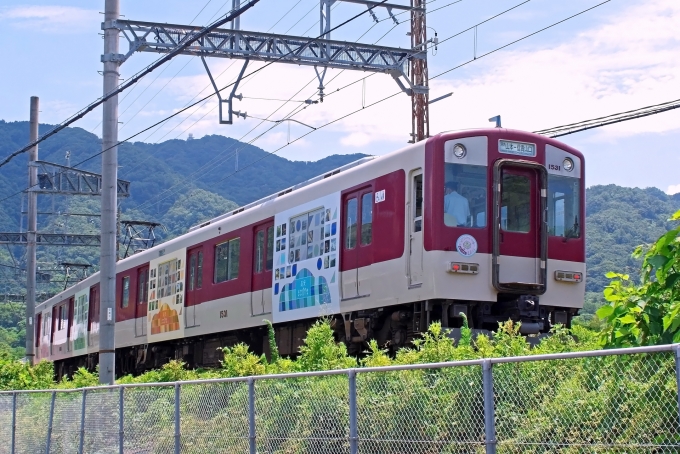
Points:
(181, 183)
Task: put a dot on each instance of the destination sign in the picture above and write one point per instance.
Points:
(517, 148)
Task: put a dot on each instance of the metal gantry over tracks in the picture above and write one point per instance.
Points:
(408, 66)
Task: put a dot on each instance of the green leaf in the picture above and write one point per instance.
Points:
(628, 319)
(657, 261)
(605, 312)
(611, 275)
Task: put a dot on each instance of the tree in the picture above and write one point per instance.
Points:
(648, 313)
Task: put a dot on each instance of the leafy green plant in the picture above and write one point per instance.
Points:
(648, 313)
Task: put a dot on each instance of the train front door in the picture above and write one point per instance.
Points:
(520, 232)
(194, 285)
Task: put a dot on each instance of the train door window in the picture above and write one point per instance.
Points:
(125, 299)
(227, 257)
(143, 286)
(515, 203)
(269, 262)
(192, 271)
(94, 309)
(351, 224)
(199, 270)
(63, 316)
(465, 195)
(564, 206)
(38, 329)
(259, 251)
(366, 218)
(418, 203)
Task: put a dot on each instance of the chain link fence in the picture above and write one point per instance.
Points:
(612, 401)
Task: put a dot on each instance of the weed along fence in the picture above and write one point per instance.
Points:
(612, 401)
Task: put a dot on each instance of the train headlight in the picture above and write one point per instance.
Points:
(459, 150)
(568, 164)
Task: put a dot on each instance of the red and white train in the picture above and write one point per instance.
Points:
(487, 222)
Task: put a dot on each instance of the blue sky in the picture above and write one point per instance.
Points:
(619, 56)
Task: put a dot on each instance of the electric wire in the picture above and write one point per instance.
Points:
(559, 131)
(395, 94)
(372, 104)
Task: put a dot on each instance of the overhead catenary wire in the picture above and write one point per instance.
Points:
(174, 52)
(559, 131)
(377, 102)
(395, 94)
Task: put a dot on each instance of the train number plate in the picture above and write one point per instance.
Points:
(517, 148)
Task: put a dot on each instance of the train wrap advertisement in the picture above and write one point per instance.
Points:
(306, 260)
(165, 319)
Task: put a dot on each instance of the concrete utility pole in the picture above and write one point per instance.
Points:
(107, 262)
(31, 261)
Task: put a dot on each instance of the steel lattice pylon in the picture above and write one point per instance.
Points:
(420, 111)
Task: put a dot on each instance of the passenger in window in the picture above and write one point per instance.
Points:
(456, 206)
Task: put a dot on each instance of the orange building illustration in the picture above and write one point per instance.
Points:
(165, 320)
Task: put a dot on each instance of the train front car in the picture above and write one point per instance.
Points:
(503, 232)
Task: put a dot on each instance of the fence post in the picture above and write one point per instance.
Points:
(49, 423)
(251, 415)
(177, 420)
(677, 374)
(14, 420)
(353, 430)
(82, 424)
(489, 409)
(121, 422)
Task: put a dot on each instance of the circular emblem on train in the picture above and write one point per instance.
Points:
(466, 245)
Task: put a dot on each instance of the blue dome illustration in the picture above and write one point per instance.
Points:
(305, 291)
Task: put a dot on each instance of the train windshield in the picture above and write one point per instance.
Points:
(564, 206)
(465, 196)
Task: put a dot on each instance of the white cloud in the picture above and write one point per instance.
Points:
(673, 189)
(52, 19)
(626, 62)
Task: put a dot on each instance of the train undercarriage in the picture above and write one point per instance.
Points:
(393, 327)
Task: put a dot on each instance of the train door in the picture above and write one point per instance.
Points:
(93, 315)
(142, 300)
(415, 261)
(520, 235)
(263, 262)
(53, 328)
(194, 286)
(357, 239)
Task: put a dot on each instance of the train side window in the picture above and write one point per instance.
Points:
(351, 224)
(143, 287)
(227, 257)
(259, 251)
(465, 195)
(269, 263)
(418, 203)
(125, 300)
(564, 206)
(199, 270)
(515, 203)
(366, 218)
